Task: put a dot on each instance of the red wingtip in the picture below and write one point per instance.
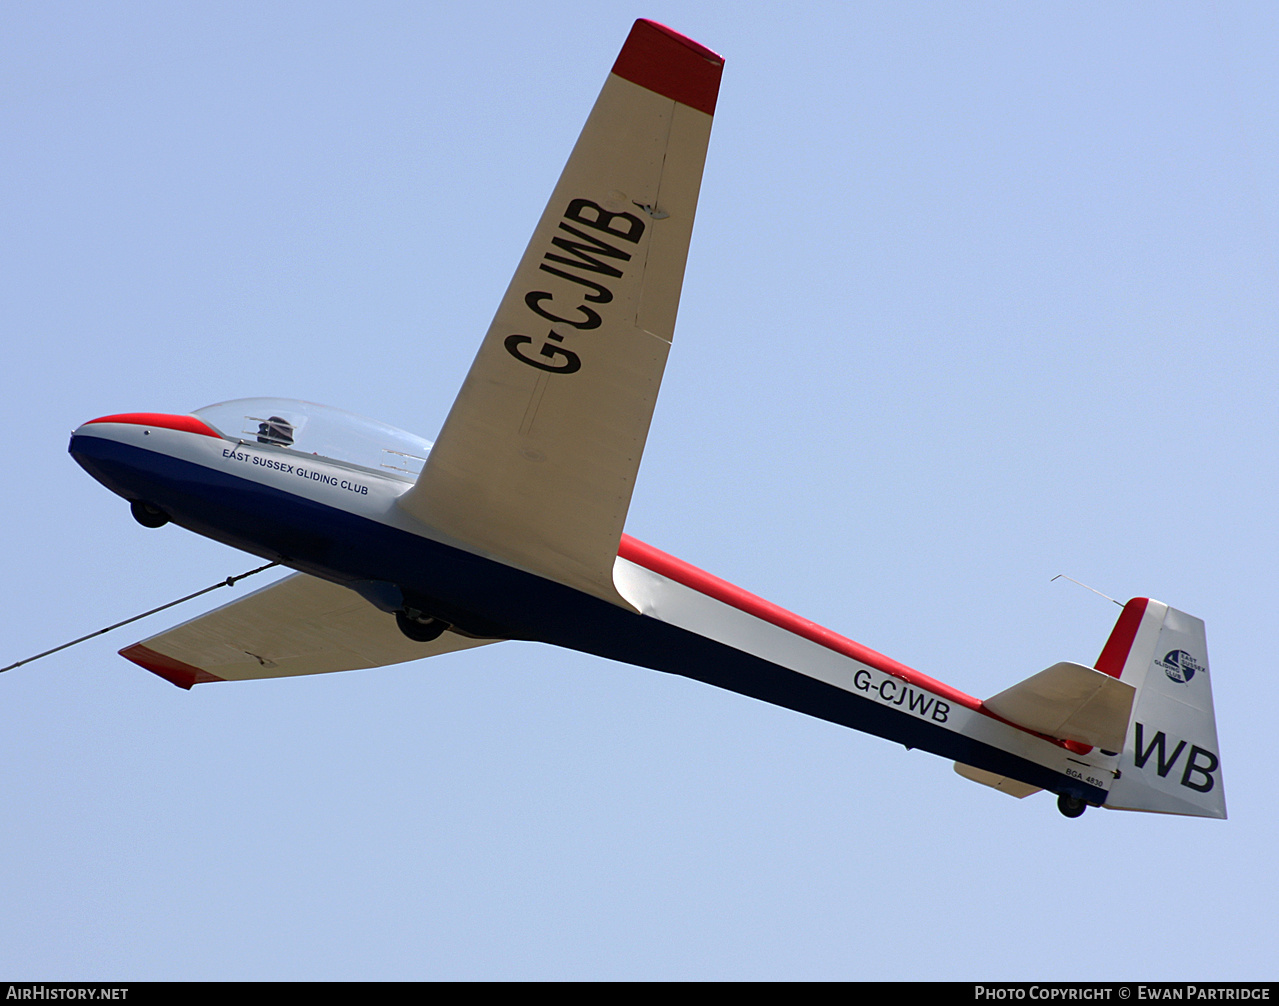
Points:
(174, 671)
(674, 66)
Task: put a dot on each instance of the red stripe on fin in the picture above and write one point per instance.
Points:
(1115, 653)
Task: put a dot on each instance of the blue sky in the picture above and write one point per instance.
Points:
(978, 294)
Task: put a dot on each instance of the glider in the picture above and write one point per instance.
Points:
(510, 526)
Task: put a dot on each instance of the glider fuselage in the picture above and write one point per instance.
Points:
(341, 522)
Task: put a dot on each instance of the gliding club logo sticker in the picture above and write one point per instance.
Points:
(1180, 666)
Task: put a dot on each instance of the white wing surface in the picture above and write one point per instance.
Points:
(298, 625)
(536, 461)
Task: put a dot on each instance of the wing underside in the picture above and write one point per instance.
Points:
(298, 625)
(537, 459)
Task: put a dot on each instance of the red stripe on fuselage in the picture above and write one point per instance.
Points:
(675, 67)
(187, 424)
(636, 551)
(690, 576)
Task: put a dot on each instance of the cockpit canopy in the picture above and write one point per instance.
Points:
(308, 428)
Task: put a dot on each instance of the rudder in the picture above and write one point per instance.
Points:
(1171, 762)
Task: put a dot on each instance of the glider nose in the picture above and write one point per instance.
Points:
(146, 420)
(128, 452)
(106, 433)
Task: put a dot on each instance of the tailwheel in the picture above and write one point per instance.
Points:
(148, 515)
(421, 629)
(1071, 806)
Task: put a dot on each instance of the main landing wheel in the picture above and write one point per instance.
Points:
(420, 632)
(148, 515)
(1071, 806)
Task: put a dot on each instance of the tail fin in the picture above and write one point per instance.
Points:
(1170, 763)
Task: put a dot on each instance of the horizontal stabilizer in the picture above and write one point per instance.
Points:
(298, 625)
(1070, 702)
(1012, 787)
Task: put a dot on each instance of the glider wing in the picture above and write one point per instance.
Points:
(537, 459)
(298, 625)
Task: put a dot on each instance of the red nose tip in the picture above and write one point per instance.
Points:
(187, 424)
